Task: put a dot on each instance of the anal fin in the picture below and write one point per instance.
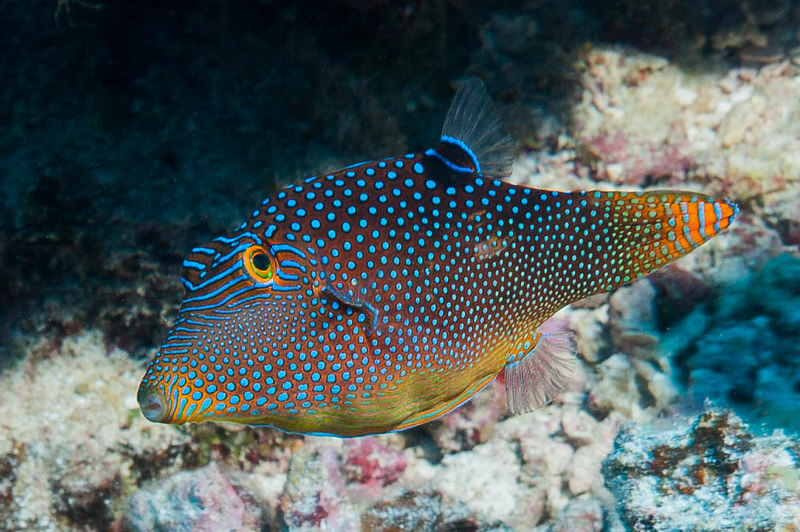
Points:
(536, 378)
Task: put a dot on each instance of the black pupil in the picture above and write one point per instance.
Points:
(261, 262)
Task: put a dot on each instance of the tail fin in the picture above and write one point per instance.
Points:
(472, 137)
(643, 231)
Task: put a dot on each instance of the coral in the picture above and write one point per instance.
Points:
(332, 482)
(756, 318)
(523, 475)
(710, 473)
(410, 511)
(200, 500)
(580, 515)
(490, 493)
(367, 461)
(73, 437)
(645, 121)
(314, 488)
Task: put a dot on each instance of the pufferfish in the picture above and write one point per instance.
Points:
(386, 294)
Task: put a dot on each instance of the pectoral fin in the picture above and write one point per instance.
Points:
(359, 304)
(537, 377)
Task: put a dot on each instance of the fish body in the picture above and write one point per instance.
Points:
(386, 294)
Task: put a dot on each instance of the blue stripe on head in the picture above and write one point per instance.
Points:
(194, 265)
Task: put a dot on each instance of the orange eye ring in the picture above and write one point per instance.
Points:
(258, 264)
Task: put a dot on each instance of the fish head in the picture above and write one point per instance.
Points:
(243, 304)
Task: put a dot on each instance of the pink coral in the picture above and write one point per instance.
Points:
(639, 160)
(369, 462)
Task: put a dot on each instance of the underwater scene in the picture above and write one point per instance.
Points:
(424, 265)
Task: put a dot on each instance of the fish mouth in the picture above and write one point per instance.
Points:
(152, 403)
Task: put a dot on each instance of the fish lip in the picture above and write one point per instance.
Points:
(152, 404)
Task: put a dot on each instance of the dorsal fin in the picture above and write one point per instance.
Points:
(472, 138)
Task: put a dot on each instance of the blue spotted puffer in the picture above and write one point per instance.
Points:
(386, 294)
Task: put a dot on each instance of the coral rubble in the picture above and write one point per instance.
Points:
(710, 473)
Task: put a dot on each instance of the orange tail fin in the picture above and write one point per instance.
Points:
(647, 230)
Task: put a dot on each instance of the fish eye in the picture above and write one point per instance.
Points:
(258, 264)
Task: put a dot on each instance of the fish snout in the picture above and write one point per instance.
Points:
(152, 403)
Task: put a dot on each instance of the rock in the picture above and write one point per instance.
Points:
(732, 256)
(545, 457)
(779, 295)
(616, 389)
(509, 35)
(751, 341)
(73, 436)
(642, 121)
(583, 473)
(590, 334)
(782, 211)
(777, 395)
(707, 384)
(757, 320)
(582, 514)
(578, 425)
(457, 517)
(314, 494)
(367, 461)
(710, 473)
(410, 511)
(678, 292)
(201, 500)
(485, 479)
(532, 507)
(631, 319)
(739, 120)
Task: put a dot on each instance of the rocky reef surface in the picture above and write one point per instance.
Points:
(181, 120)
(710, 473)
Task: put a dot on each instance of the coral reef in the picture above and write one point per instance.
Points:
(710, 473)
(646, 121)
(200, 500)
(757, 319)
(73, 440)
